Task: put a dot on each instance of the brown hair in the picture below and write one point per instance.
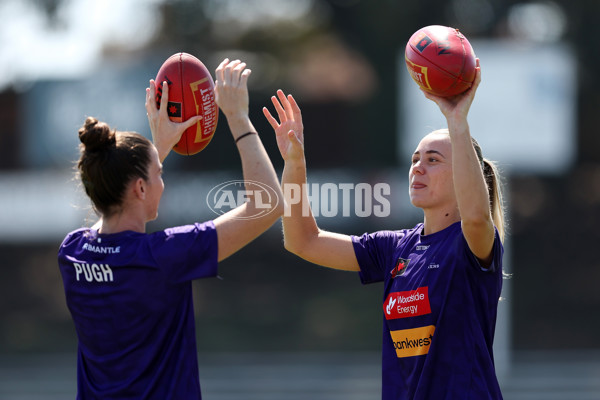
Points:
(492, 179)
(109, 160)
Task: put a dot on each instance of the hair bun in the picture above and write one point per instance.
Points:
(96, 135)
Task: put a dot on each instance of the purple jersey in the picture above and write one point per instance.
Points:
(130, 296)
(439, 309)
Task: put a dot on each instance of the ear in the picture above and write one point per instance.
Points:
(139, 188)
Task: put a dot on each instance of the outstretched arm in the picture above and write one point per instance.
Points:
(241, 225)
(469, 183)
(301, 234)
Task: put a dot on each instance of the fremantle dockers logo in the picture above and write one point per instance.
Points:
(400, 267)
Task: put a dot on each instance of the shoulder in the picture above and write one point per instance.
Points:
(76, 235)
(188, 251)
(497, 253)
(391, 234)
(182, 238)
(385, 238)
(184, 231)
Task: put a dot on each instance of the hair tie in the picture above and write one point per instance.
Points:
(244, 135)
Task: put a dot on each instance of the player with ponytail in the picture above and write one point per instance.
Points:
(441, 279)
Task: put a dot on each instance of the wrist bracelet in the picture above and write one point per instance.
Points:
(244, 135)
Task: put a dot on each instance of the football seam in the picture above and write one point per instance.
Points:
(181, 83)
(462, 69)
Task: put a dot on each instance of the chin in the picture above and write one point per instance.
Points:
(416, 202)
(420, 203)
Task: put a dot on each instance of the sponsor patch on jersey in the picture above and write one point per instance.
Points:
(400, 267)
(410, 303)
(413, 342)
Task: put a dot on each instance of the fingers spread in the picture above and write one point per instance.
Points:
(150, 96)
(280, 111)
(191, 121)
(164, 97)
(286, 104)
(295, 108)
(270, 118)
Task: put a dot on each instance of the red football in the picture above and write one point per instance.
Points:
(191, 92)
(440, 60)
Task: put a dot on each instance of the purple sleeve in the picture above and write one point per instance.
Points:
(374, 252)
(187, 252)
(498, 252)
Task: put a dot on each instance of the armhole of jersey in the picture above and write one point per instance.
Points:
(493, 265)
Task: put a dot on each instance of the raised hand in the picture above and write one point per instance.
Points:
(456, 108)
(165, 133)
(231, 88)
(289, 130)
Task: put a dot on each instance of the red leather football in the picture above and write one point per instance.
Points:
(440, 60)
(191, 92)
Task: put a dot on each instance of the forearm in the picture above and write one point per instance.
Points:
(469, 183)
(243, 224)
(301, 234)
(162, 148)
(257, 167)
(256, 164)
(299, 225)
(240, 124)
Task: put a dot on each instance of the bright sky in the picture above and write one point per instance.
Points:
(32, 48)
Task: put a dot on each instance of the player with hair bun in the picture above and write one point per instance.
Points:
(442, 278)
(129, 292)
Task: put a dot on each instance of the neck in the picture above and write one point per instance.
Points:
(121, 222)
(437, 220)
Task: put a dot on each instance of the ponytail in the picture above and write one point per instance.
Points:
(490, 172)
(492, 180)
